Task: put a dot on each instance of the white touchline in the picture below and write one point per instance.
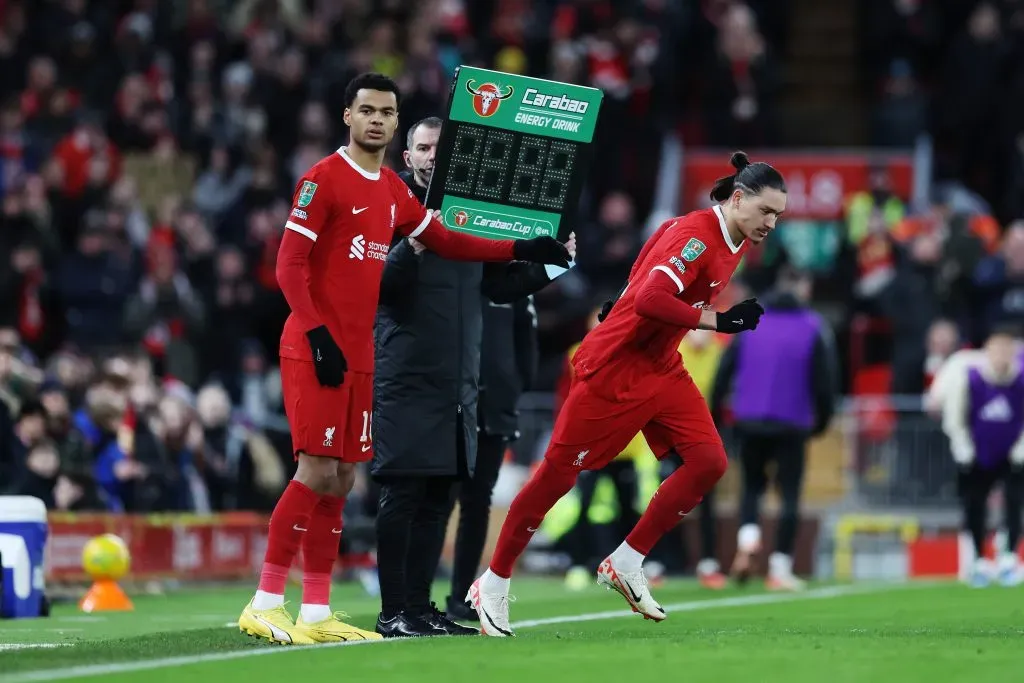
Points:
(692, 606)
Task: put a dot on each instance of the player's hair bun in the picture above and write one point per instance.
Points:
(739, 160)
(751, 177)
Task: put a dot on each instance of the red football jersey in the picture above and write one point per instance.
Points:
(696, 252)
(351, 215)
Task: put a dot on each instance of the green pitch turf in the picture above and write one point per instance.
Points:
(909, 633)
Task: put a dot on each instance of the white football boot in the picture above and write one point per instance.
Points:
(1009, 570)
(781, 576)
(632, 585)
(492, 608)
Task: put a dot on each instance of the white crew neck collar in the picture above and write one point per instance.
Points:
(343, 153)
(725, 230)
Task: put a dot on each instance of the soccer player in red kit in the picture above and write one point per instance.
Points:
(345, 211)
(628, 379)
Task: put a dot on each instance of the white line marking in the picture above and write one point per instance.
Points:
(28, 646)
(692, 606)
(738, 601)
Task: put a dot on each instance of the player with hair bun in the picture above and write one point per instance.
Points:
(628, 379)
(345, 212)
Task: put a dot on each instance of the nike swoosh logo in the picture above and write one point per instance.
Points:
(297, 527)
(366, 448)
(335, 531)
(277, 633)
(738, 322)
(636, 598)
(531, 529)
(715, 283)
(493, 625)
(358, 211)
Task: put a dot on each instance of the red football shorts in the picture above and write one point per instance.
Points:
(334, 422)
(597, 422)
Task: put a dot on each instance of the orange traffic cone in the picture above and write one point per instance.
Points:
(105, 596)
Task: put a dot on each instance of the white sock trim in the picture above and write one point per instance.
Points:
(708, 565)
(314, 613)
(627, 557)
(492, 583)
(264, 600)
(780, 565)
(748, 538)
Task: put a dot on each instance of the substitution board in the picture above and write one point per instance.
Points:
(513, 154)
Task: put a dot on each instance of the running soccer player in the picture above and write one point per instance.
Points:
(344, 214)
(628, 379)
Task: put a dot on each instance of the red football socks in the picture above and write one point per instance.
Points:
(288, 523)
(320, 550)
(546, 486)
(703, 466)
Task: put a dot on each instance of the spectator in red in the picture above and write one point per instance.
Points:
(87, 157)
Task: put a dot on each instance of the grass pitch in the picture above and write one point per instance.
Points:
(936, 633)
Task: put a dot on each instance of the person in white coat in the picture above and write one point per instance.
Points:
(982, 401)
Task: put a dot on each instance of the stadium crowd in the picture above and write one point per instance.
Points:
(149, 150)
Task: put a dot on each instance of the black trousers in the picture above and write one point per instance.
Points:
(788, 451)
(586, 546)
(975, 486)
(411, 520)
(474, 496)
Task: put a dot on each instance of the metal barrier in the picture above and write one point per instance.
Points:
(897, 455)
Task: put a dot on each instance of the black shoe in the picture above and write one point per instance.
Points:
(461, 610)
(439, 620)
(405, 625)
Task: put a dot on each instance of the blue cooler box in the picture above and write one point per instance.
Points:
(23, 532)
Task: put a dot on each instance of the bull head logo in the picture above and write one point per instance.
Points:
(487, 98)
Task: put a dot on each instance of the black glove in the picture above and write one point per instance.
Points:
(328, 360)
(542, 250)
(606, 308)
(743, 316)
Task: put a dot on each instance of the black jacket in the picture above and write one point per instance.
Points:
(427, 356)
(508, 363)
(825, 377)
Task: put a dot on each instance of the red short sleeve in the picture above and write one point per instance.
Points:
(313, 205)
(678, 255)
